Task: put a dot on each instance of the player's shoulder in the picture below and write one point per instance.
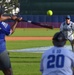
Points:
(72, 22)
(68, 51)
(70, 54)
(4, 23)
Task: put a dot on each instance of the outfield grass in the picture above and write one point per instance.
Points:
(34, 32)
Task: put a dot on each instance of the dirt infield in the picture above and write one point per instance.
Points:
(27, 38)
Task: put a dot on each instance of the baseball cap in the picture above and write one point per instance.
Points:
(59, 39)
(68, 17)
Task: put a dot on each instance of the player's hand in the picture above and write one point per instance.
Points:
(14, 17)
(19, 19)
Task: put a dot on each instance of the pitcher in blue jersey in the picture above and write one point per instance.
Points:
(6, 30)
(58, 60)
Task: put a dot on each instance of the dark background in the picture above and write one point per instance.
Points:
(40, 7)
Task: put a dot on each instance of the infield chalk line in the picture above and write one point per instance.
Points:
(36, 50)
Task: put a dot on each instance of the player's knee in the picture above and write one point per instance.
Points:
(7, 72)
(72, 41)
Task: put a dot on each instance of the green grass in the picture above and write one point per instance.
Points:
(34, 32)
(28, 63)
(26, 68)
(25, 63)
(28, 44)
(25, 57)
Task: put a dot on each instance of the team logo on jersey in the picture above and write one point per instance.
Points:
(4, 24)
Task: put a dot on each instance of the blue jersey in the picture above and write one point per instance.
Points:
(57, 61)
(4, 30)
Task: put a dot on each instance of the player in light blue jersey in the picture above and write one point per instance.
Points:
(6, 30)
(67, 27)
(58, 60)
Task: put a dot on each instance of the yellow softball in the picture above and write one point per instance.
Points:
(50, 12)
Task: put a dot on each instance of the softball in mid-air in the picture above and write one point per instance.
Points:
(50, 12)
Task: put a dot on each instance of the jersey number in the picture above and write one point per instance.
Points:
(55, 61)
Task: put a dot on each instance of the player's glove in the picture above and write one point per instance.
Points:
(18, 19)
(13, 17)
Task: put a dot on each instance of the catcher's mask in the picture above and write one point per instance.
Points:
(59, 39)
